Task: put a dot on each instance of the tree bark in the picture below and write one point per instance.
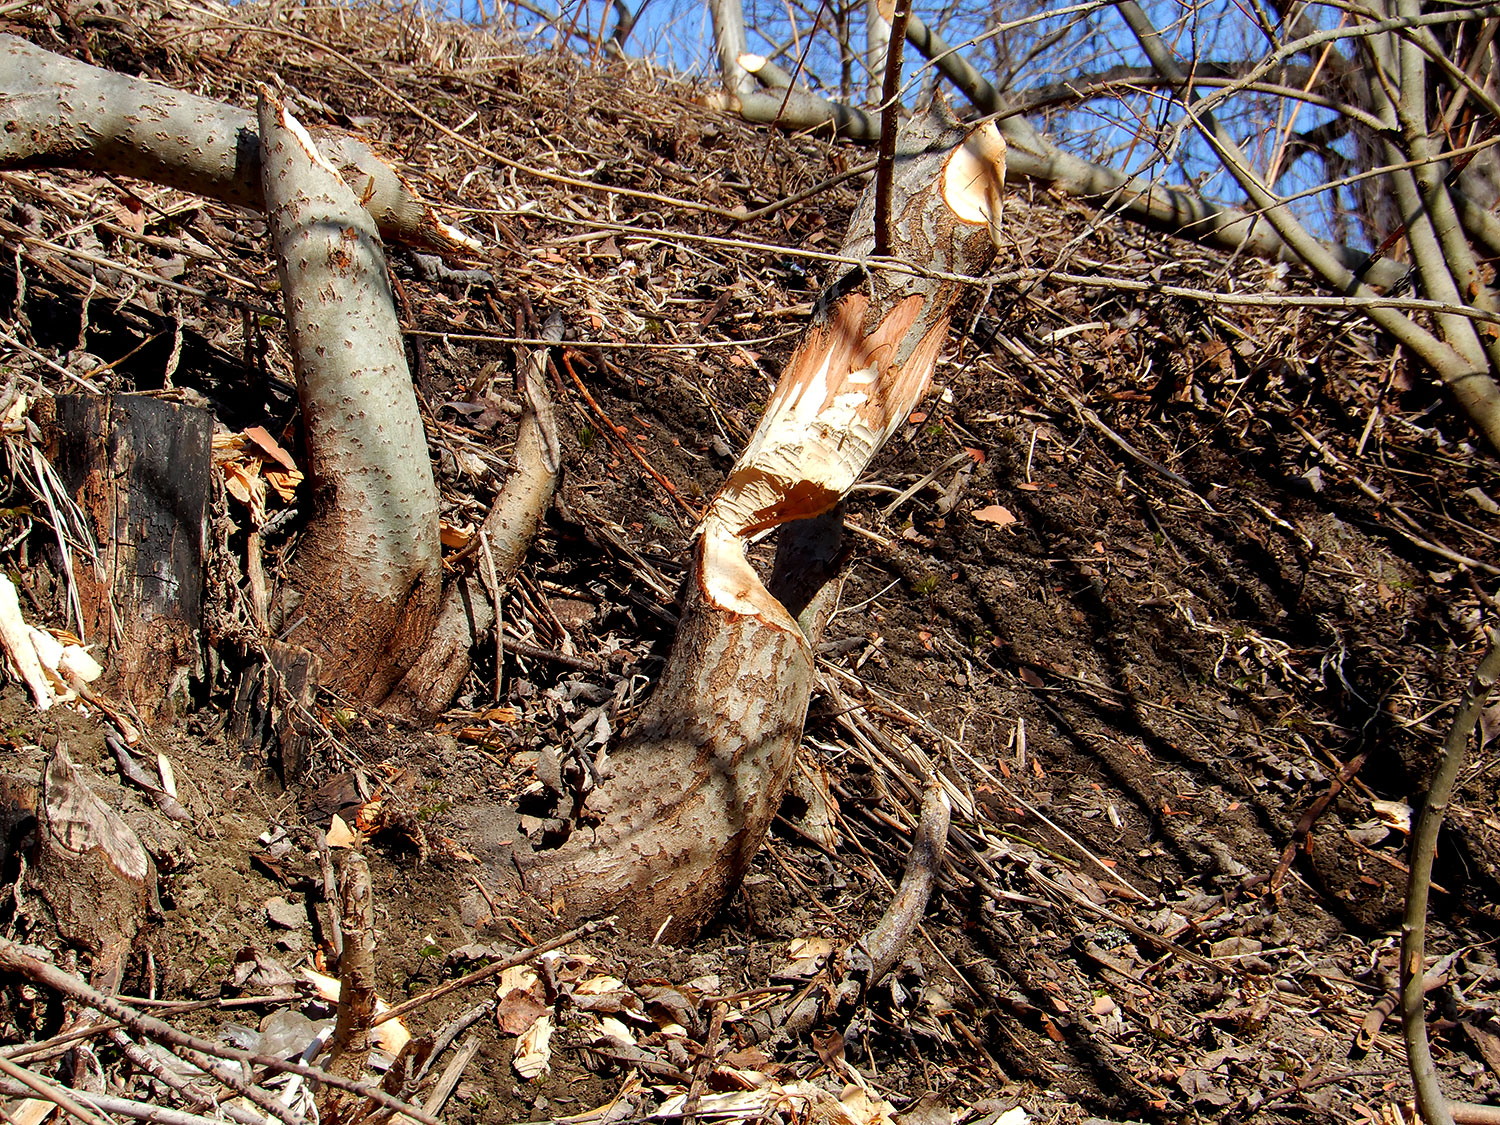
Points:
(141, 468)
(62, 113)
(91, 869)
(368, 566)
(668, 837)
(270, 721)
(349, 1047)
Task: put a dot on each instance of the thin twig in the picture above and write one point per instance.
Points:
(890, 124)
(201, 1052)
(492, 969)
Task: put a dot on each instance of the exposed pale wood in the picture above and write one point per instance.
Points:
(726, 717)
(140, 468)
(91, 869)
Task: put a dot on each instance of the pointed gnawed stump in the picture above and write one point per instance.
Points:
(726, 718)
(91, 869)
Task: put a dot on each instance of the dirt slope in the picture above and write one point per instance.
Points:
(1140, 579)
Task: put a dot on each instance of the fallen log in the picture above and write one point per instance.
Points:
(667, 838)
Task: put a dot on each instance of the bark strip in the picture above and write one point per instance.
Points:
(61, 113)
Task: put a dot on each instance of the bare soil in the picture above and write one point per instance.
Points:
(1138, 666)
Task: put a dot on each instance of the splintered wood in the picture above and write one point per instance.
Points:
(728, 712)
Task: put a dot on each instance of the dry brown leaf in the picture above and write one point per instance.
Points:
(517, 1011)
(339, 834)
(996, 514)
(270, 448)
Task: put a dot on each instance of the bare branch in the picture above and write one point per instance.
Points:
(1470, 383)
(1430, 1100)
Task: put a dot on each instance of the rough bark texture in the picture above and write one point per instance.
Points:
(91, 869)
(271, 720)
(726, 717)
(467, 612)
(349, 1047)
(58, 112)
(369, 564)
(140, 467)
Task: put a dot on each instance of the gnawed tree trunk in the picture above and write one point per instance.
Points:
(667, 838)
(141, 469)
(60, 113)
(368, 566)
(91, 869)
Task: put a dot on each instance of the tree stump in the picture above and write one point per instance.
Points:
(92, 870)
(271, 720)
(140, 468)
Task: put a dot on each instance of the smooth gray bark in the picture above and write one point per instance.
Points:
(61, 113)
(369, 564)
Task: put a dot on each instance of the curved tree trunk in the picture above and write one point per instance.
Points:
(61, 113)
(369, 565)
(667, 839)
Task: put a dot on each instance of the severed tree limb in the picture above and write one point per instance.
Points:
(142, 1111)
(1424, 837)
(509, 527)
(91, 869)
(881, 947)
(60, 113)
(726, 717)
(368, 565)
(49, 1091)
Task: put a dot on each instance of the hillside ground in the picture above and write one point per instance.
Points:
(1143, 575)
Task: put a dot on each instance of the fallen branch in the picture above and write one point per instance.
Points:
(890, 935)
(200, 1052)
(349, 1048)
